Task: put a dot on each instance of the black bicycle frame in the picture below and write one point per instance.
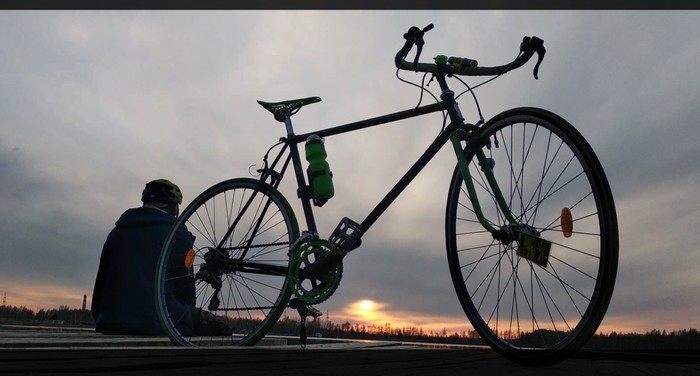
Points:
(456, 122)
(454, 132)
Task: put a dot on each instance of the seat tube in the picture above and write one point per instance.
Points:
(299, 173)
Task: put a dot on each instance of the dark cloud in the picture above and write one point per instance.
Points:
(401, 277)
(44, 239)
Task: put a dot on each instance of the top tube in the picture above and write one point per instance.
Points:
(396, 116)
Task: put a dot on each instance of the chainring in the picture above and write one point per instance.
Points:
(312, 291)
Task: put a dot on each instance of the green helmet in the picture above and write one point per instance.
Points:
(162, 191)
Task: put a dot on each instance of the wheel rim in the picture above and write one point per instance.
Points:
(252, 274)
(514, 303)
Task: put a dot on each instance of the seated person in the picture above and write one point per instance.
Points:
(123, 300)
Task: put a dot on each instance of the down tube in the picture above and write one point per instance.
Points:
(406, 179)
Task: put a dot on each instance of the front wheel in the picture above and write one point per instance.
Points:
(542, 291)
(231, 286)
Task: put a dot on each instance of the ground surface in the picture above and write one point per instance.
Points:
(44, 351)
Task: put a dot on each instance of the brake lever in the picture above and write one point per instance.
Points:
(539, 48)
(534, 44)
(540, 56)
(418, 51)
(415, 36)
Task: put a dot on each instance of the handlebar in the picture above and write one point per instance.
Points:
(464, 66)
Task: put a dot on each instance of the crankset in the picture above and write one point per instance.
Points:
(313, 289)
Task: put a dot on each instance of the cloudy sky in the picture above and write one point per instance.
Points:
(94, 104)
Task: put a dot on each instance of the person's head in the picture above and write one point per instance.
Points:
(163, 194)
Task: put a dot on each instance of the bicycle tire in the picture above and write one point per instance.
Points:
(531, 314)
(254, 291)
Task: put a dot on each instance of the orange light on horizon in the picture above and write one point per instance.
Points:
(381, 315)
(37, 297)
(364, 312)
(372, 313)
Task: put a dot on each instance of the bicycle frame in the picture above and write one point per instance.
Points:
(455, 132)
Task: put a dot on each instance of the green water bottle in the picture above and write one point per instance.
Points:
(319, 173)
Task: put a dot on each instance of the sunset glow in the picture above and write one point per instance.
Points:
(36, 297)
(375, 314)
(366, 309)
(363, 312)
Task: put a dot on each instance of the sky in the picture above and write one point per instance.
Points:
(93, 104)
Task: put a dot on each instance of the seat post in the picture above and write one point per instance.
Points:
(288, 124)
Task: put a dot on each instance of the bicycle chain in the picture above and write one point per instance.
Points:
(247, 308)
(317, 296)
(255, 246)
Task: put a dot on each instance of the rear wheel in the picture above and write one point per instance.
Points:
(231, 287)
(534, 297)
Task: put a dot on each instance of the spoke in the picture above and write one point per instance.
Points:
(564, 284)
(543, 290)
(246, 237)
(492, 272)
(551, 193)
(478, 261)
(545, 169)
(173, 279)
(500, 293)
(472, 232)
(240, 295)
(576, 250)
(474, 248)
(546, 166)
(572, 267)
(212, 222)
(205, 231)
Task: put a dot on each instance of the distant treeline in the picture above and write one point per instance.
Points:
(63, 315)
(683, 339)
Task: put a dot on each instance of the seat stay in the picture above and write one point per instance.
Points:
(280, 109)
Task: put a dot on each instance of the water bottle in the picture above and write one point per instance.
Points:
(319, 173)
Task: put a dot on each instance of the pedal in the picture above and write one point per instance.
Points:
(346, 236)
(304, 312)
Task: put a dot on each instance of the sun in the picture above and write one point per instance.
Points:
(365, 309)
(367, 305)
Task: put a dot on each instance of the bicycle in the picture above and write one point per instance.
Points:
(530, 226)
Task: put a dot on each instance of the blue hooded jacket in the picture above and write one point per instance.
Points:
(123, 300)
